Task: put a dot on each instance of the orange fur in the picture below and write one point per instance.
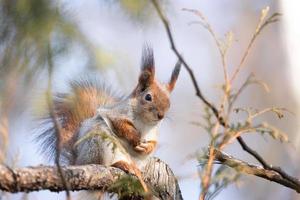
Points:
(126, 130)
(78, 106)
(146, 147)
(71, 109)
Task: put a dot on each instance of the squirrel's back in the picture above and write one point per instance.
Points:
(71, 109)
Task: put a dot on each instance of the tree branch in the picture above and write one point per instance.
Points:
(56, 125)
(87, 177)
(259, 171)
(199, 94)
(182, 60)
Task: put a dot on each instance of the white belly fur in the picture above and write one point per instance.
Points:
(148, 132)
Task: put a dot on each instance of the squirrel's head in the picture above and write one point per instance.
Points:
(152, 98)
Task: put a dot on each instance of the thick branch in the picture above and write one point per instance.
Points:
(86, 177)
(48, 178)
(244, 167)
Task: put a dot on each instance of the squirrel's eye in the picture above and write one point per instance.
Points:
(148, 97)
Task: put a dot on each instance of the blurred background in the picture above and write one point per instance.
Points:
(106, 37)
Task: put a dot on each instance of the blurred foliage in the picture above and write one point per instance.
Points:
(27, 29)
(136, 7)
(140, 11)
(221, 178)
(127, 187)
(30, 31)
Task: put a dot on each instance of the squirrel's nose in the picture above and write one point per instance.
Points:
(160, 116)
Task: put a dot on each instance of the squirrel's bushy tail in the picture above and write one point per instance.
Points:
(71, 109)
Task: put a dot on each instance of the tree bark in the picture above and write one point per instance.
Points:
(259, 171)
(157, 175)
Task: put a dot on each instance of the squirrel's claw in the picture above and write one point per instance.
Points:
(139, 149)
(146, 147)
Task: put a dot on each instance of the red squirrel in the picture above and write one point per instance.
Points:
(130, 125)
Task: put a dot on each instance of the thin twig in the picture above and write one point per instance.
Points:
(57, 126)
(186, 66)
(228, 140)
(237, 94)
(266, 110)
(222, 53)
(209, 166)
(262, 23)
(4, 135)
(222, 48)
(5, 108)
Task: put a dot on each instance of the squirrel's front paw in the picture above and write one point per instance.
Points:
(146, 147)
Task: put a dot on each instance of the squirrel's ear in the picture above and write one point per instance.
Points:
(147, 70)
(174, 76)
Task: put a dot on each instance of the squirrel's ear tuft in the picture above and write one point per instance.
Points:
(174, 76)
(148, 59)
(147, 69)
